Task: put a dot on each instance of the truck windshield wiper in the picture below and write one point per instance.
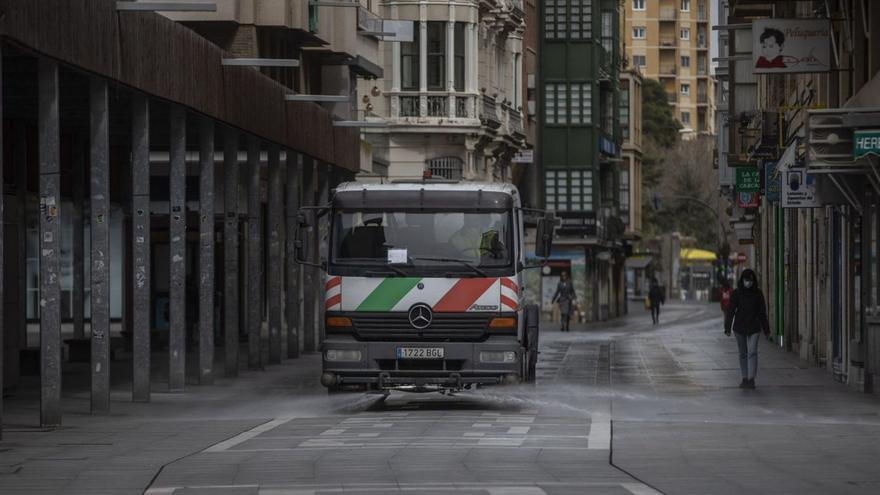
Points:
(390, 268)
(452, 260)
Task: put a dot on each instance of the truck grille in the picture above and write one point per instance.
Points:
(444, 326)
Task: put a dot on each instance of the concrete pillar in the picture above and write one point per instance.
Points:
(99, 180)
(2, 274)
(275, 276)
(310, 278)
(78, 289)
(140, 240)
(230, 251)
(293, 303)
(177, 251)
(21, 159)
(320, 250)
(206, 251)
(254, 255)
(50, 244)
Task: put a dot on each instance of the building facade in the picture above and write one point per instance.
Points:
(668, 40)
(813, 229)
(579, 150)
(453, 96)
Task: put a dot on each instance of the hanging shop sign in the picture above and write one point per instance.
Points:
(791, 45)
(524, 156)
(866, 142)
(772, 184)
(799, 189)
(748, 180)
(748, 199)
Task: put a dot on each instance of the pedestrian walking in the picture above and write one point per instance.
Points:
(566, 298)
(726, 292)
(747, 317)
(656, 297)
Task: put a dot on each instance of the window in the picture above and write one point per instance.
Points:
(685, 5)
(554, 19)
(459, 56)
(447, 167)
(685, 89)
(685, 118)
(608, 31)
(685, 33)
(436, 56)
(409, 63)
(639, 61)
(569, 190)
(555, 103)
(685, 61)
(638, 4)
(581, 103)
(639, 32)
(624, 109)
(580, 18)
(624, 195)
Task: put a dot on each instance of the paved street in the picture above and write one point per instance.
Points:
(622, 408)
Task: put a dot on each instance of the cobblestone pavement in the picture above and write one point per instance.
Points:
(623, 407)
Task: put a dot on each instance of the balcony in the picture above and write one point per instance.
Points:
(702, 98)
(702, 43)
(668, 13)
(409, 106)
(489, 113)
(461, 107)
(668, 70)
(438, 106)
(702, 71)
(668, 41)
(514, 123)
(671, 97)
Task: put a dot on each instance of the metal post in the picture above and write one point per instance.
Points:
(50, 249)
(140, 233)
(100, 246)
(254, 256)
(276, 277)
(230, 251)
(292, 303)
(206, 252)
(78, 289)
(2, 274)
(177, 252)
(310, 279)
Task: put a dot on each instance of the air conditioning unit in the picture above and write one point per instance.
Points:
(830, 137)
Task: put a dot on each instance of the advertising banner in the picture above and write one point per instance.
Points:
(799, 189)
(771, 181)
(748, 180)
(748, 199)
(791, 45)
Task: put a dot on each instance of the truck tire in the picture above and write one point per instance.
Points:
(532, 321)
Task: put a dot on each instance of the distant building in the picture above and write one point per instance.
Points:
(668, 40)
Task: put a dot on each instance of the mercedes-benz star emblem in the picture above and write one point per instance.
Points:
(420, 316)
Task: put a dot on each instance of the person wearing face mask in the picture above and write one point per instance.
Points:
(747, 317)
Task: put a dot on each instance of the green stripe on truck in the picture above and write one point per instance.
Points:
(388, 293)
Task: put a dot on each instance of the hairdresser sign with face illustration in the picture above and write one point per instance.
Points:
(791, 45)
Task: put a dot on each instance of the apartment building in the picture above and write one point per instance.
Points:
(630, 183)
(579, 150)
(452, 97)
(668, 40)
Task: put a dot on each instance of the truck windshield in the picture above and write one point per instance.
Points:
(442, 238)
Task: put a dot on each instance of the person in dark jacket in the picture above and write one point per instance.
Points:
(566, 297)
(657, 297)
(747, 317)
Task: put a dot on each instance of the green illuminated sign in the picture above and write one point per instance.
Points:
(748, 180)
(865, 143)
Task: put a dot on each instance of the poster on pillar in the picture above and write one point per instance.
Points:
(799, 189)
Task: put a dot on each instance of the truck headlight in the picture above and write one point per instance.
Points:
(342, 355)
(498, 356)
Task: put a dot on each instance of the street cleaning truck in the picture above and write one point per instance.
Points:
(423, 286)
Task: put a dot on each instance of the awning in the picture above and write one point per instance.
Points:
(638, 262)
(693, 254)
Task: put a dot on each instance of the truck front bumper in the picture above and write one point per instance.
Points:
(464, 363)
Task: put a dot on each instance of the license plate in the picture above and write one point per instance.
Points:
(419, 353)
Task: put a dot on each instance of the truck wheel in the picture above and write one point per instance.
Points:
(532, 320)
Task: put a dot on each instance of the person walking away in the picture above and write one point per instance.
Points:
(726, 292)
(747, 317)
(566, 298)
(656, 297)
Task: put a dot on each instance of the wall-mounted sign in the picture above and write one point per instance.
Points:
(748, 180)
(748, 199)
(524, 156)
(791, 45)
(772, 185)
(799, 189)
(866, 142)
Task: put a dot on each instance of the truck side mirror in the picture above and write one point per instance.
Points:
(306, 218)
(544, 236)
